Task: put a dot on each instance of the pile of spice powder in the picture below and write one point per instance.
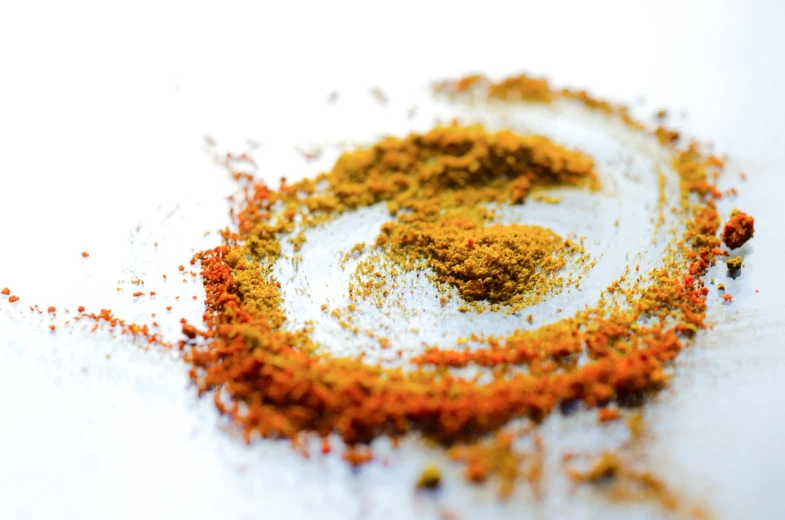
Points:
(278, 383)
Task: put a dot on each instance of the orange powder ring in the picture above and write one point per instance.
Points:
(278, 383)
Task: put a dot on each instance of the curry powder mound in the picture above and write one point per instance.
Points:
(497, 263)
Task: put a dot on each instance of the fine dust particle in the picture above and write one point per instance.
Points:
(379, 95)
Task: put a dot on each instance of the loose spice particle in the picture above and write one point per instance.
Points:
(607, 466)
(357, 456)
(143, 332)
(624, 483)
(635, 424)
(727, 297)
(189, 331)
(430, 478)
(6, 291)
(13, 299)
(734, 264)
(379, 95)
(85, 254)
(738, 230)
(181, 268)
(51, 310)
(608, 414)
(448, 514)
(311, 155)
(80, 308)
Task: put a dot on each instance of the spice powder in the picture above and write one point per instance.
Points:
(439, 188)
(278, 383)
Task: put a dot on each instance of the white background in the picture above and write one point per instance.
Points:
(102, 109)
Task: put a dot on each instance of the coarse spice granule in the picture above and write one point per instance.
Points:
(738, 230)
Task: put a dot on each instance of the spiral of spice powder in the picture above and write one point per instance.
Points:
(279, 383)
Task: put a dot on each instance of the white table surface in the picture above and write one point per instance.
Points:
(102, 113)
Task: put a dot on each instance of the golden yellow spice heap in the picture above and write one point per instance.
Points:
(435, 182)
(437, 186)
(447, 167)
(498, 263)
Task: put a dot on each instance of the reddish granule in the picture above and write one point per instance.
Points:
(131, 329)
(189, 331)
(357, 456)
(80, 308)
(738, 229)
(85, 254)
(6, 291)
(51, 309)
(608, 414)
(13, 299)
(728, 297)
(137, 294)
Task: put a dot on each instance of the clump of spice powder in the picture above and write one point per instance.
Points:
(738, 230)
